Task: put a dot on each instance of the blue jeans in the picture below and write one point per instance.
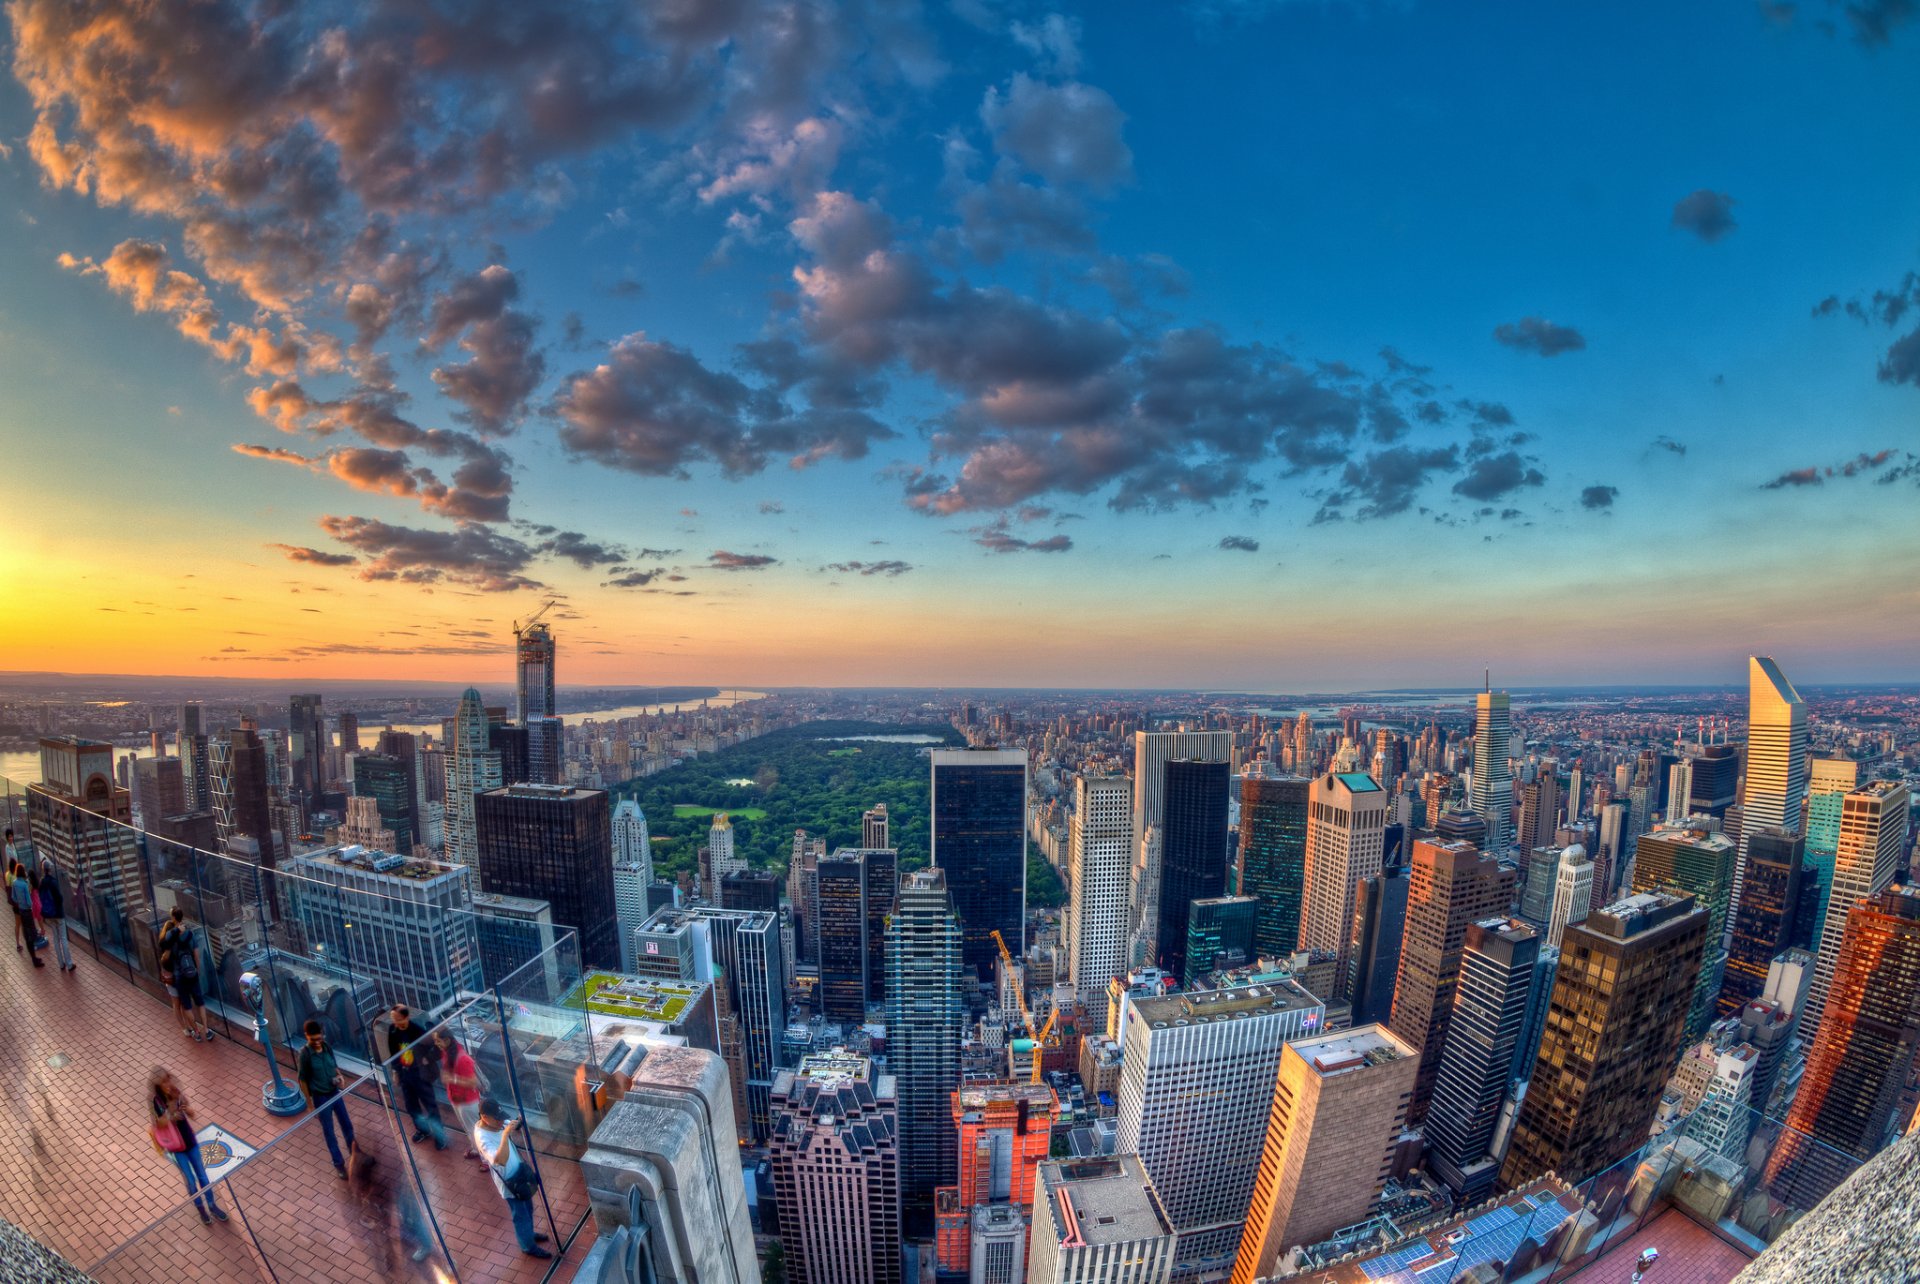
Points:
(418, 1101)
(522, 1210)
(195, 1171)
(335, 1106)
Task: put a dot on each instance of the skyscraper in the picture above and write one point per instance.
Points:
(1196, 1083)
(1700, 863)
(1776, 759)
(1339, 1103)
(721, 859)
(1498, 962)
(1572, 895)
(632, 873)
(836, 1171)
(925, 1015)
(1152, 750)
(1273, 857)
(1873, 834)
(159, 790)
(1454, 885)
(1346, 834)
(1542, 874)
(1539, 810)
(242, 795)
(844, 958)
(408, 925)
(349, 732)
(80, 818)
(1858, 1089)
(1099, 857)
(1715, 780)
(1765, 924)
(1492, 796)
(1099, 1221)
(388, 781)
(1829, 781)
(1005, 1130)
(874, 829)
(553, 843)
(307, 749)
(472, 768)
(631, 843)
(196, 769)
(1219, 936)
(533, 673)
(1381, 929)
(1193, 850)
(980, 839)
(1613, 1035)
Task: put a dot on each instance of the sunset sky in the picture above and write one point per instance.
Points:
(1272, 345)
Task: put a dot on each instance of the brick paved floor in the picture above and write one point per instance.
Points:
(78, 1172)
(1689, 1254)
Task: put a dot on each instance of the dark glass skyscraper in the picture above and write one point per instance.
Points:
(1219, 935)
(554, 842)
(307, 748)
(1765, 922)
(1380, 914)
(1613, 1036)
(1497, 966)
(510, 742)
(883, 877)
(843, 935)
(1716, 780)
(389, 782)
(1193, 850)
(1273, 857)
(980, 841)
(925, 1015)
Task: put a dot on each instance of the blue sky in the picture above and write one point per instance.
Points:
(1159, 270)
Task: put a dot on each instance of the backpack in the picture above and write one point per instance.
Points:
(185, 966)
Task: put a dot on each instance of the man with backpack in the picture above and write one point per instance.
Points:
(182, 961)
(53, 915)
(20, 897)
(513, 1174)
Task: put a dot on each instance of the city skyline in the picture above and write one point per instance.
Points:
(946, 320)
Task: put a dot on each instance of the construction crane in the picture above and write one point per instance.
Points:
(520, 627)
(1026, 1016)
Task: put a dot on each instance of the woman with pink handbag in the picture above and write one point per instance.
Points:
(172, 1132)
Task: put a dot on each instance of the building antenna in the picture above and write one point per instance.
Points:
(1489, 679)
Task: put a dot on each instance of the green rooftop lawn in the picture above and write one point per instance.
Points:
(669, 1002)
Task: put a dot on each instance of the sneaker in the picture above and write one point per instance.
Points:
(421, 1254)
(206, 1218)
(339, 1172)
(537, 1251)
(539, 1238)
(39, 963)
(219, 1214)
(439, 1144)
(419, 1134)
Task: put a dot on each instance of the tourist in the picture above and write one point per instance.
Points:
(416, 1064)
(319, 1076)
(53, 916)
(172, 1132)
(513, 1174)
(175, 924)
(20, 896)
(462, 1078)
(183, 961)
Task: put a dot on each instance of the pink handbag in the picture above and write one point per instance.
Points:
(166, 1135)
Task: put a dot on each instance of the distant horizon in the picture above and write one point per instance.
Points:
(766, 688)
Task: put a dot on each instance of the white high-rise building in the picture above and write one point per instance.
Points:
(1776, 764)
(1196, 1085)
(631, 843)
(1098, 1221)
(1873, 833)
(1098, 865)
(472, 768)
(720, 858)
(1491, 798)
(1679, 789)
(1572, 894)
(1346, 837)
